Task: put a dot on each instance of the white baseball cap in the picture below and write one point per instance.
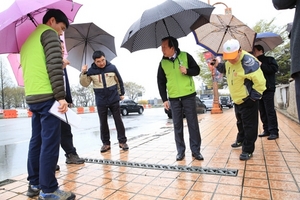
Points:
(231, 49)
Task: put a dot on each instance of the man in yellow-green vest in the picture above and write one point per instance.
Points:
(177, 90)
(42, 65)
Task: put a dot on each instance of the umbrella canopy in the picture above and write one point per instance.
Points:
(14, 60)
(221, 28)
(268, 40)
(83, 39)
(175, 18)
(15, 63)
(22, 17)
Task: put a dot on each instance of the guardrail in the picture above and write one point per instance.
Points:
(16, 113)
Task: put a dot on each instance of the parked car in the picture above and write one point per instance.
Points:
(200, 108)
(129, 106)
(226, 101)
(208, 103)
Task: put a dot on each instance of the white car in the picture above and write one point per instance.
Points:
(208, 103)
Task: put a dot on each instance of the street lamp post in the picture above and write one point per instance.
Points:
(217, 109)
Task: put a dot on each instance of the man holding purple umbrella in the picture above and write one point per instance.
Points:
(42, 62)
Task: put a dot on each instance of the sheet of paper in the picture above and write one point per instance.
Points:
(69, 117)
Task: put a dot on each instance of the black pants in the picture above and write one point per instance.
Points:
(268, 114)
(67, 139)
(104, 129)
(297, 89)
(188, 107)
(247, 124)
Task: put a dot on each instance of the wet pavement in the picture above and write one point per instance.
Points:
(272, 173)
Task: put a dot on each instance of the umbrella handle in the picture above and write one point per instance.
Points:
(32, 19)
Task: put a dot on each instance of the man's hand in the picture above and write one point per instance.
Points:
(166, 105)
(84, 68)
(65, 63)
(63, 106)
(183, 70)
(122, 97)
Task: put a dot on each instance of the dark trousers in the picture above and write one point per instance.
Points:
(188, 107)
(297, 89)
(43, 147)
(268, 114)
(247, 124)
(67, 139)
(104, 129)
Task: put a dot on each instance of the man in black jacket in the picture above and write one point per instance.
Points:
(109, 90)
(266, 103)
(66, 131)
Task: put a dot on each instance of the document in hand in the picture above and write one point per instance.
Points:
(69, 117)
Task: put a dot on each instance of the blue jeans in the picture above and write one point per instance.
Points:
(43, 147)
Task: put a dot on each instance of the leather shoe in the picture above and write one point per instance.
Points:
(105, 148)
(198, 156)
(273, 137)
(264, 134)
(180, 156)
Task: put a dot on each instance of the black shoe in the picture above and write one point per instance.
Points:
(264, 134)
(236, 144)
(245, 156)
(105, 148)
(124, 146)
(74, 159)
(57, 168)
(180, 156)
(33, 190)
(198, 156)
(273, 137)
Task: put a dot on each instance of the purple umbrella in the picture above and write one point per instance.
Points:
(14, 60)
(15, 63)
(21, 18)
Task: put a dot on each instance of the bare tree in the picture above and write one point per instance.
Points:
(5, 81)
(83, 96)
(133, 90)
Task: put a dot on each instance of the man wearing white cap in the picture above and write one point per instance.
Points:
(246, 84)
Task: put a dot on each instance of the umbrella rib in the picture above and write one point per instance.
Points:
(166, 26)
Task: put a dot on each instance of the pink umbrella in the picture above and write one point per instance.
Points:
(14, 60)
(15, 63)
(21, 18)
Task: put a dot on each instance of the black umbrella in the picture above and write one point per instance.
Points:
(175, 18)
(83, 39)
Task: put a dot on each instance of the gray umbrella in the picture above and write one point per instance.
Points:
(268, 40)
(83, 39)
(175, 18)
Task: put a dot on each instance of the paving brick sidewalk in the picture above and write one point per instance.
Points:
(272, 173)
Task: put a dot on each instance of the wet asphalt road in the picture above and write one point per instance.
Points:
(15, 135)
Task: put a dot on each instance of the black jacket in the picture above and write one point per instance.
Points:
(107, 83)
(269, 67)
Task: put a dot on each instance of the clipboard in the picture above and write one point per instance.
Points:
(69, 117)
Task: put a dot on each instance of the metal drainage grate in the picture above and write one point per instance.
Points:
(192, 169)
